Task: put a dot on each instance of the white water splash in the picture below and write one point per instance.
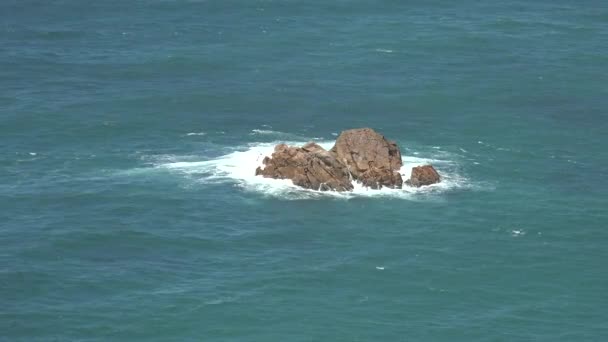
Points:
(517, 232)
(239, 167)
(264, 131)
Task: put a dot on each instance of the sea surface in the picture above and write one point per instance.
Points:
(130, 131)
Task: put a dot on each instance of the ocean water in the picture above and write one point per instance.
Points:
(130, 132)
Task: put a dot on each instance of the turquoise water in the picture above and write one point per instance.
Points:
(130, 132)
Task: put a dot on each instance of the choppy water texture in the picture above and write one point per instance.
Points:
(130, 131)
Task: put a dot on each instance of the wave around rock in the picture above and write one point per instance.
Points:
(361, 155)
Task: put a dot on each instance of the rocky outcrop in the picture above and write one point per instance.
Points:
(359, 155)
(370, 157)
(310, 167)
(423, 175)
(376, 178)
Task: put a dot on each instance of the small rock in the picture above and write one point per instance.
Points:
(423, 175)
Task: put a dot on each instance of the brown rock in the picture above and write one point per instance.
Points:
(376, 178)
(310, 166)
(359, 154)
(370, 157)
(280, 147)
(312, 147)
(423, 175)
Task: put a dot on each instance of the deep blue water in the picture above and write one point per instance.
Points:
(129, 131)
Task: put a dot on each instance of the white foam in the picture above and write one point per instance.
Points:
(517, 232)
(196, 133)
(384, 50)
(239, 167)
(264, 132)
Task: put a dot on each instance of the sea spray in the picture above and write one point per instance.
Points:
(239, 167)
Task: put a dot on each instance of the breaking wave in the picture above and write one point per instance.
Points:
(239, 167)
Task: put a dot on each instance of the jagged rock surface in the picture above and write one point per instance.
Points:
(377, 178)
(310, 167)
(370, 157)
(359, 155)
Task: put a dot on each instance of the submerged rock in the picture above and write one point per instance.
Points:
(423, 175)
(310, 167)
